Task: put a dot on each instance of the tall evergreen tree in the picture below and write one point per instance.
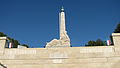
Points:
(117, 30)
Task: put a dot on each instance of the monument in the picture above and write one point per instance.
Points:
(64, 40)
(66, 57)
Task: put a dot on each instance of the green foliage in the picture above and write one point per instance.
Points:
(2, 34)
(117, 30)
(98, 42)
(15, 42)
(91, 43)
(25, 45)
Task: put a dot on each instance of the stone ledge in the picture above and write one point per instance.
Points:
(56, 61)
(115, 34)
(3, 38)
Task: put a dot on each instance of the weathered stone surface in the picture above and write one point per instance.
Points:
(75, 57)
(2, 44)
(26, 66)
(114, 65)
(74, 52)
(65, 66)
(116, 38)
(67, 57)
(97, 65)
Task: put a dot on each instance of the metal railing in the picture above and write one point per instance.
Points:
(3, 65)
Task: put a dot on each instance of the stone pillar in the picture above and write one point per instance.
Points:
(2, 44)
(64, 38)
(116, 39)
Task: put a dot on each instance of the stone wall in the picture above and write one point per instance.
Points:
(68, 57)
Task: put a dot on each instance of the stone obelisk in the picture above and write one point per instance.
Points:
(63, 33)
(64, 40)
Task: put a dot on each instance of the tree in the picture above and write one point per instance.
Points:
(25, 45)
(117, 30)
(14, 42)
(98, 42)
(91, 43)
(2, 34)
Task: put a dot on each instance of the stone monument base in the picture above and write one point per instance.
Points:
(57, 43)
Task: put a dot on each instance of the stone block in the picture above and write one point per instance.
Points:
(114, 65)
(25, 66)
(65, 66)
(97, 65)
(116, 39)
(2, 44)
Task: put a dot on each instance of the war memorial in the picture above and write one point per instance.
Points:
(59, 54)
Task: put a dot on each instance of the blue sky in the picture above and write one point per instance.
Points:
(35, 22)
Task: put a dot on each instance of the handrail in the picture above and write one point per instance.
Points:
(3, 65)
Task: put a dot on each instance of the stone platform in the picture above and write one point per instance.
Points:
(68, 57)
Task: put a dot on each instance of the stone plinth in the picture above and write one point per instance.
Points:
(116, 38)
(2, 44)
(57, 43)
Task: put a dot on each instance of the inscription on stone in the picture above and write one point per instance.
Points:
(59, 55)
